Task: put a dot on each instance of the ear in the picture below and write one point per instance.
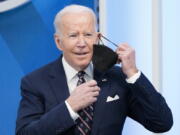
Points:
(58, 42)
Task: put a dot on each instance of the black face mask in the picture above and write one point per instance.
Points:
(104, 58)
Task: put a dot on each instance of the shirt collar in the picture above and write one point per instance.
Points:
(71, 72)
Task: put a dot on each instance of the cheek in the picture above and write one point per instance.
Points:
(67, 45)
(91, 46)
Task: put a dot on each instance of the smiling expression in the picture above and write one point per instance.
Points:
(78, 34)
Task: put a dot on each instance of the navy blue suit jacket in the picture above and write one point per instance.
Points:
(42, 109)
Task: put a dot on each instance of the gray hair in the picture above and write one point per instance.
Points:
(72, 9)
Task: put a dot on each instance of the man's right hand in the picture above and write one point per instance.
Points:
(84, 95)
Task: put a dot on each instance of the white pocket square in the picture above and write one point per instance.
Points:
(109, 99)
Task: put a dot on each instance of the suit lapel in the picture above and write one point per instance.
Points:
(58, 81)
(104, 84)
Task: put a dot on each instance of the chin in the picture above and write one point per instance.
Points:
(83, 65)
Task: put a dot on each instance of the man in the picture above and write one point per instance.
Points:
(70, 97)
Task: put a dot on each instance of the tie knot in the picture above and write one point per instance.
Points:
(81, 74)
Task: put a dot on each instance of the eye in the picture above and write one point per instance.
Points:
(73, 35)
(88, 35)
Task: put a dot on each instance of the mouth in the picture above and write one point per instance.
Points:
(81, 53)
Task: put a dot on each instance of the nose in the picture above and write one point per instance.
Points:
(81, 41)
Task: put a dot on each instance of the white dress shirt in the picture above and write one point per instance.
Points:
(72, 79)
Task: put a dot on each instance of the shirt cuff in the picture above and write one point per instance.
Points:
(133, 78)
(73, 114)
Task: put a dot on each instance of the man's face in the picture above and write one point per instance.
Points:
(77, 37)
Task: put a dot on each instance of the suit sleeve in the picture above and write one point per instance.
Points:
(148, 107)
(32, 119)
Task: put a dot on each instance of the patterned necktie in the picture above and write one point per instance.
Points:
(84, 122)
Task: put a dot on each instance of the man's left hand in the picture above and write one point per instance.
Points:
(126, 56)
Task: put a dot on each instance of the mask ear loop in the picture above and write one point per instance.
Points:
(100, 35)
(100, 40)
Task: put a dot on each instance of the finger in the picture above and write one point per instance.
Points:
(91, 83)
(122, 53)
(93, 99)
(124, 56)
(95, 88)
(122, 49)
(125, 45)
(95, 94)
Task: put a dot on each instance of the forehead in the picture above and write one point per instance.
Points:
(77, 20)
